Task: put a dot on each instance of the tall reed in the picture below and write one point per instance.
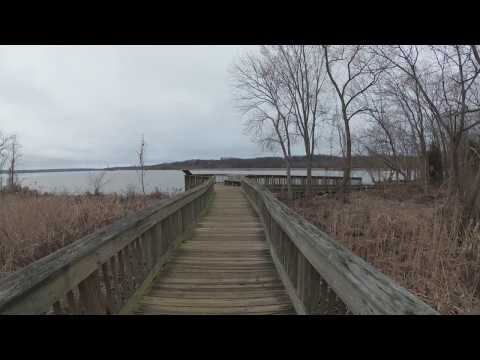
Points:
(33, 225)
(411, 238)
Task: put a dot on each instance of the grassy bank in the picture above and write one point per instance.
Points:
(408, 236)
(33, 225)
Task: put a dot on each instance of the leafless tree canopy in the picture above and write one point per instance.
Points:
(262, 98)
(352, 71)
(3, 150)
(302, 70)
(420, 106)
(3, 156)
(98, 182)
(279, 91)
(439, 94)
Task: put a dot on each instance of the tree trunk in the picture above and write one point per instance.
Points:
(426, 169)
(468, 212)
(455, 169)
(11, 177)
(347, 171)
(308, 188)
(426, 166)
(289, 180)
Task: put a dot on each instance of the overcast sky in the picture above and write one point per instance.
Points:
(87, 106)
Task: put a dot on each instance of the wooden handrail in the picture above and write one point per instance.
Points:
(275, 182)
(279, 180)
(100, 272)
(321, 275)
(194, 180)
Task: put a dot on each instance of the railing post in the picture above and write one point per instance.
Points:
(91, 296)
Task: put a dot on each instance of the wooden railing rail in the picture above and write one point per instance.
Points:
(101, 273)
(296, 180)
(275, 182)
(194, 180)
(320, 275)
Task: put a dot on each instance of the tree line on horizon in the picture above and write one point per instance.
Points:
(274, 162)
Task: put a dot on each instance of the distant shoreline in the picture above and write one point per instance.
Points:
(212, 170)
(50, 170)
(320, 161)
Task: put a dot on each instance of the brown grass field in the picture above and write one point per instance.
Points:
(34, 225)
(408, 237)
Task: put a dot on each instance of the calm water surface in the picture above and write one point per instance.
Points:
(119, 181)
(170, 181)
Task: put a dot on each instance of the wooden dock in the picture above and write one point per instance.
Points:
(224, 268)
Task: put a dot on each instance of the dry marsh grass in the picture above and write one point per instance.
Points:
(34, 225)
(408, 237)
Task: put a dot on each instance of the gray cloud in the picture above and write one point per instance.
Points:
(88, 105)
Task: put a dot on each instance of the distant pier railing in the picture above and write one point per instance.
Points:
(279, 183)
(296, 180)
(276, 183)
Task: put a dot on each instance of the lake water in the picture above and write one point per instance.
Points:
(119, 181)
(170, 181)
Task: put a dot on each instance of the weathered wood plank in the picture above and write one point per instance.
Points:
(239, 310)
(90, 295)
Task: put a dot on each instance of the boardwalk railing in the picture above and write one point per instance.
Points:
(194, 180)
(278, 183)
(320, 275)
(102, 272)
(279, 180)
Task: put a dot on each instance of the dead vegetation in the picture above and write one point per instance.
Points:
(33, 225)
(412, 237)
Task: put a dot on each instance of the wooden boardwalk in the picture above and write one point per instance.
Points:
(224, 268)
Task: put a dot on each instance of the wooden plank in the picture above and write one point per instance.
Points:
(117, 289)
(124, 278)
(213, 287)
(218, 294)
(57, 308)
(73, 307)
(90, 295)
(110, 300)
(177, 310)
(154, 299)
(220, 281)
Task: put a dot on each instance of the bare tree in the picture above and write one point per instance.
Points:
(98, 182)
(14, 156)
(447, 80)
(399, 123)
(303, 75)
(141, 164)
(261, 97)
(405, 95)
(339, 127)
(3, 156)
(352, 71)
